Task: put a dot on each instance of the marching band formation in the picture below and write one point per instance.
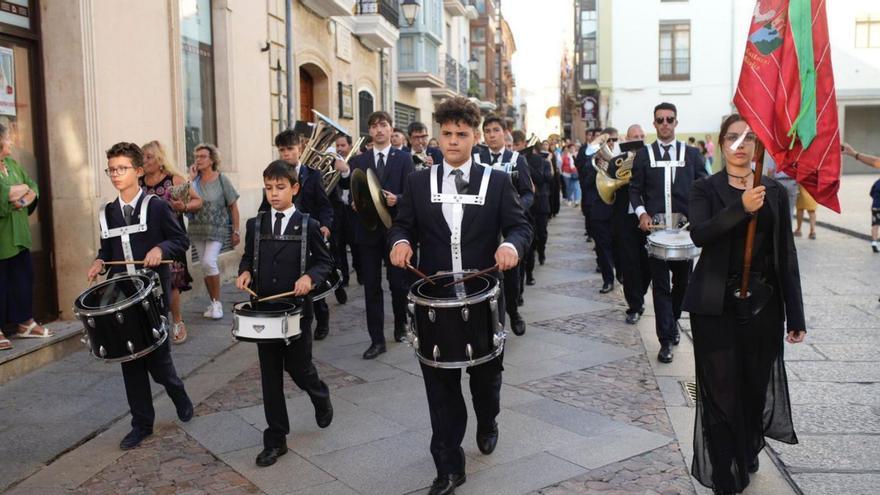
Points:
(458, 228)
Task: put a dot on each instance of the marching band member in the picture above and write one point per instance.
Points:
(418, 138)
(164, 237)
(541, 175)
(275, 239)
(600, 217)
(342, 234)
(661, 183)
(392, 166)
(431, 224)
(496, 155)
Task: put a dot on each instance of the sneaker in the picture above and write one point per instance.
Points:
(216, 310)
(875, 247)
(209, 310)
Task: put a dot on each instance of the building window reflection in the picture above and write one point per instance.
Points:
(199, 109)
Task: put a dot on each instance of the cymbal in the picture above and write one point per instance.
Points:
(366, 193)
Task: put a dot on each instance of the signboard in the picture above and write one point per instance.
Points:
(346, 101)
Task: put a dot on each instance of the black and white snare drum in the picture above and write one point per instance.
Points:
(453, 328)
(268, 321)
(122, 316)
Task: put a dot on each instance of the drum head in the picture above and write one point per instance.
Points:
(115, 292)
(678, 238)
(268, 309)
(473, 288)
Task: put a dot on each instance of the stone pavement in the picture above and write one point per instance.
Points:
(586, 408)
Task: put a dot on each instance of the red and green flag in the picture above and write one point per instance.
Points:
(786, 93)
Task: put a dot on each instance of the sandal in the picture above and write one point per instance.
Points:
(813, 236)
(28, 332)
(178, 333)
(797, 233)
(5, 344)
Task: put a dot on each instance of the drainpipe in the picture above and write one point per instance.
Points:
(382, 82)
(288, 42)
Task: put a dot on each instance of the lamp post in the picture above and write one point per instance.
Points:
(410, 10)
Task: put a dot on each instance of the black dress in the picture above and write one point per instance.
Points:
(741, 380)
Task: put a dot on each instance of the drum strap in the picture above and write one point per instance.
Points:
(668, 175)
(124, 232)
(302, 238)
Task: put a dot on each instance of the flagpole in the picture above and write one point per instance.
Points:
(753, 224)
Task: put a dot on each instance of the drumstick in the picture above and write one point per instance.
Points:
(251, 292)
(472, 276)
(277, 296)
(420, 274)
(139, 262)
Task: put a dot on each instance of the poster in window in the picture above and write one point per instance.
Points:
(346, 101)
(7, 81)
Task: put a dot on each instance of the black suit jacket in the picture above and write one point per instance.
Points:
(280, 261)
(541, 174)
(587, 179)
(712, 220)
(523, 183)
(312, 198)
(398, 165)
(163, 230)
(647, 185)
(421, 222)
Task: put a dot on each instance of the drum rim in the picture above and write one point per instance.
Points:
(321, 295)
(239, 310)
(449, 365)
(80, 310)
(453, 303)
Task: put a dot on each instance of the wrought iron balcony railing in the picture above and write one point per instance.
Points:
(386, 8)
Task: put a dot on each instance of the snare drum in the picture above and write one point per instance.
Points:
(122, 317)
(268, 321)
(450, 329)
(334, 280)
(672, 245)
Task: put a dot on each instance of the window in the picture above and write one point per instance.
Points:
(365, 108)
(479, 35)
(404, 115)
(199, 111)
(868, 32)
(675, 51)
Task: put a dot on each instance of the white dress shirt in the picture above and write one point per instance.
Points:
(284, 221)
(132, 203)
(385, 151)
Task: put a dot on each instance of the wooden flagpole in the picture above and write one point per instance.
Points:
(753, 224)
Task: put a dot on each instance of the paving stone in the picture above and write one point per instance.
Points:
(807, 392)
(584, 423)
(831, 453)
(223, 432)
(803, 352)
(400, 399)
(597, 354)
(612, 446)
(842, 336)
(604, 325)
(521, 476)
(290, 474)
(837, 483)
(560, 305)
(836, 371)
(672, 390)
(849, 352)
(332, 488)
(837, 418)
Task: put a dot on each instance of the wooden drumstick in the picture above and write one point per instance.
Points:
(420, 274)
(279, 296)
(249, 291)
(472, 276)
(138, 262)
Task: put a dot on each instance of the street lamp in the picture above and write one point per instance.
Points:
(410, 10)
(473, 63)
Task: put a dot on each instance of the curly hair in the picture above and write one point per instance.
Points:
(213, 153)
(130, 150)
(459, 110)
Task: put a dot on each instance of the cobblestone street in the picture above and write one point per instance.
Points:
(586, 408)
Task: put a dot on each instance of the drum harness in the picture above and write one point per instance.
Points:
(508, 167)
(303, 237)
(458, 201)
(124, 232)
(668, 175)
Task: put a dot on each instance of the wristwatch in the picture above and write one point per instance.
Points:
(21, 202)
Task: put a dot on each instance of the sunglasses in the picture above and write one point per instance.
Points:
(669, 120)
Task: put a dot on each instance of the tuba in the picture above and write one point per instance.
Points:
(607, 185)
(315, 154)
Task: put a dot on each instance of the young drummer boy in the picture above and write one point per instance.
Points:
(282, 229)
(163, 238)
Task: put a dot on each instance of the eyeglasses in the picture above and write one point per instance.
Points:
(731, 137)
(613, 140)
(669, 120)
(117, 171)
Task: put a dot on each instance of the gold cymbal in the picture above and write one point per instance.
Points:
(369, 200)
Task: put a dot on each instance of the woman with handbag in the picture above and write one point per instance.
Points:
(738, 344)
(210, 226)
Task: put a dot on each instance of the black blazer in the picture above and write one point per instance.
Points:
(587, 179)
(646, 187)
(311, 198)
(523, 180)
(398, 165)
(712, 220)
(163, 230)
(541, 174)
(421, 222)
(280, 261)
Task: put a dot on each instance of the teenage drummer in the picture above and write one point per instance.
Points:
(165, 238)
(281, 233)
(481, 229)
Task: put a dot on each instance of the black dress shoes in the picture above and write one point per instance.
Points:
(321, 332)
(606, 288)
(185, 413)
(133, 439)
(665, 354)
(341, 295)
(633, 318)
(445, 484)
(541, 258)
(488, 439)
(324, 414)
(520, 301)
(399, 332)
(530, 280)
(517, 324)
(754, 464)
(269, 455)
(374, 350)
(677, 339)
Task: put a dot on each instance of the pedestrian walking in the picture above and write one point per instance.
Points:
(805, 202)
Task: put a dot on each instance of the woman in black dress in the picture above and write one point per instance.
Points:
(743, 391)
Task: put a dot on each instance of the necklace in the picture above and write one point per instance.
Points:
(743, 179)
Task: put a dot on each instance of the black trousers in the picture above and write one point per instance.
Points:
(371, 258)
(512, 287)
(341, 237)
(539, 243)
(296, 359)
(600, 230)
(136, 375)
(449, 412)
(629, 245)
(668, 296)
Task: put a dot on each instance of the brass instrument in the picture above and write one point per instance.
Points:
(315, 154)
(607, 185)
(530, 144)
(421, 160)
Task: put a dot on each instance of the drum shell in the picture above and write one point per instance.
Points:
(279, 325)
(671, 252)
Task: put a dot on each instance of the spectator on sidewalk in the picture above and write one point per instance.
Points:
(869, 160)
(805, 202)
(20, 195)
(570, 176)
(209, 227)
(710, 151)
(163, 179)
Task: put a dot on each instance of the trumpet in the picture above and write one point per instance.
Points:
(315, 154)
(607, 185)
(421, 160)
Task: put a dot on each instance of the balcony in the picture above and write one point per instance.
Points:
(455, 8)
(419, 61)
(456, 77)
(329, 8)
(376, 23)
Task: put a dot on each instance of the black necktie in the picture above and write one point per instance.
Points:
(126, 213)
(495, 157)
(276, 230)
(380, 165)
(666, 156)
(461, 185)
